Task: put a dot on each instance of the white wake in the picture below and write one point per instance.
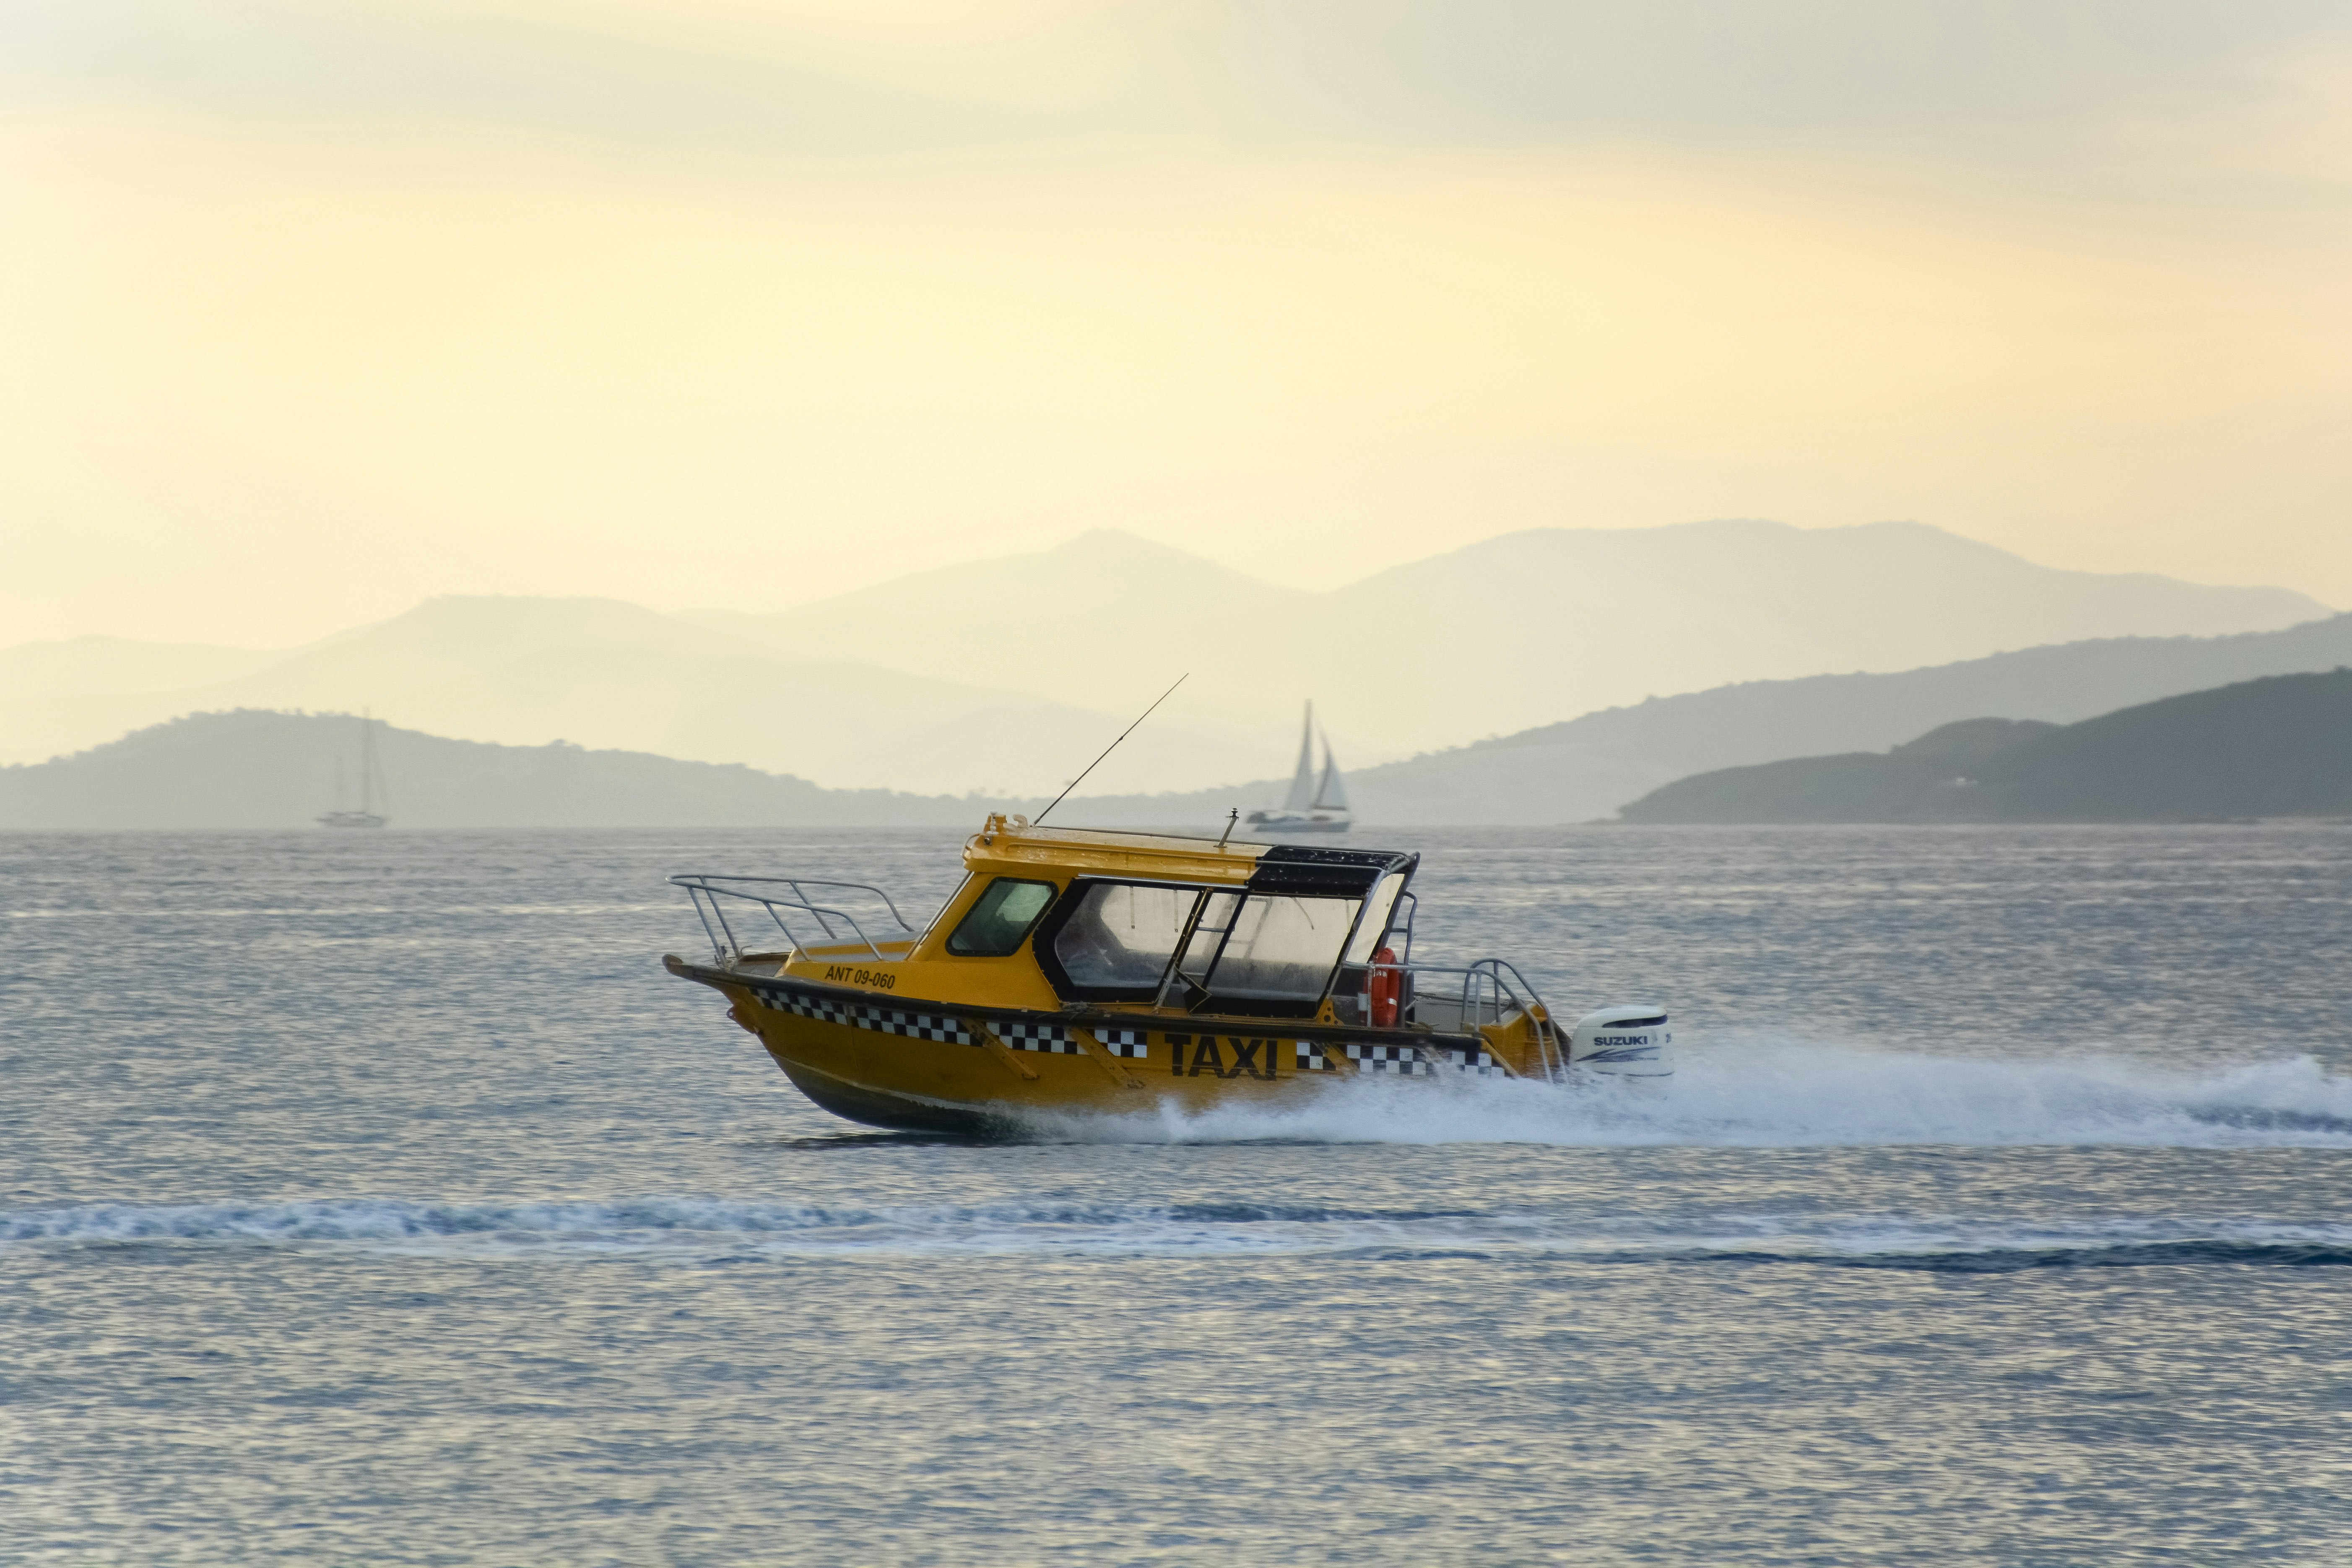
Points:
(1767, 1095)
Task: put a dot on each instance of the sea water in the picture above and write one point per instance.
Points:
(376, 1198)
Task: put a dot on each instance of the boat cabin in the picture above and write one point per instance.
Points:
(1060, 918)
(1299, 934)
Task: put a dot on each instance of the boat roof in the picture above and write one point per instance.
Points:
(1007, 846)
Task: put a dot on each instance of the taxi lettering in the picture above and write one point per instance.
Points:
(1248, 1057)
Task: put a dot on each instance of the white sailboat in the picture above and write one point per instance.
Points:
(1317, 803)
(371, 788)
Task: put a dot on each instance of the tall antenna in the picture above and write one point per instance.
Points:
(1107, 750)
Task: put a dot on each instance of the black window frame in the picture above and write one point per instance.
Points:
(1351, 877)
(1209, 999)
(1027, 932)
(1043, 936)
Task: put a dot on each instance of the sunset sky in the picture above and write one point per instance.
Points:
(310, 308)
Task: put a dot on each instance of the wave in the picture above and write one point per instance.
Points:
(705, 1228)
(1771, 1094)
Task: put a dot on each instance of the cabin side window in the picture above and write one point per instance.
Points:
(1379, 912)
(1272, 953)
(1282, 948)
(1120, 936)
(1000, 919)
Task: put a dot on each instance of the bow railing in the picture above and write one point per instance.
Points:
(707, 889)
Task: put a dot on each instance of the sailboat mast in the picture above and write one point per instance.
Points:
(1302, 782)
(367, 764)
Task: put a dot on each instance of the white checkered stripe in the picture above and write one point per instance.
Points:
(1052, 1038)
(914, 1025)
(827, 1009)
(1404, 1061)
(1123, 1042)
(806, 1003)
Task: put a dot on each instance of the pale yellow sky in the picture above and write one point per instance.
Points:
(311, 309)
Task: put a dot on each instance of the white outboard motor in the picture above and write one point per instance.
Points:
(1630, 1045)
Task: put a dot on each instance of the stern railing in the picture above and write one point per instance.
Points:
(1492, 989)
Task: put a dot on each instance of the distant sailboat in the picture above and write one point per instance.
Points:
(1317, 803)
(373, 792)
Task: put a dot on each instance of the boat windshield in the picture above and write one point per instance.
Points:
(1000, 919)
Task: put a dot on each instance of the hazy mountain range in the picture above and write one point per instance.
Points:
(273, 770)
(1524, 629)
(2279, 746)
(1007, 675)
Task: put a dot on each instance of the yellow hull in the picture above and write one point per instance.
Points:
(937, 1066)
(1098, 973)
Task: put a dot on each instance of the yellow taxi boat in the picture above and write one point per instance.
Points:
(1078, 972)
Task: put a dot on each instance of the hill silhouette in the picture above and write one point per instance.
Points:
(250, 769)
(1587, 767)
(2279, 746)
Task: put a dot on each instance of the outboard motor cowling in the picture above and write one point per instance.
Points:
(1630, 1043)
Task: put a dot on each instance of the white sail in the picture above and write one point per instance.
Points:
(1302, 782)
(1331, 794)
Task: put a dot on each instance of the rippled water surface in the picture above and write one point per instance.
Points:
(376, 1198)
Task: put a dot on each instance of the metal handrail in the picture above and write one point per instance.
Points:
(703, 890)
(1547, 1050)
(1484, 984)
(1474, 995)
(795, 883)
